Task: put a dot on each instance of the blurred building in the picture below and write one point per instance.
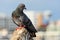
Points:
(6, 25)
(47, 14)
(58, 25)
(39, 20)
(51, 26)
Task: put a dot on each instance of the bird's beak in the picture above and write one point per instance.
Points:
(25, 8)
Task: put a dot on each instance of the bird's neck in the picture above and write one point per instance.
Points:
(19, 11)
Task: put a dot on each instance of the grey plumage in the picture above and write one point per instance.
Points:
(19, 18)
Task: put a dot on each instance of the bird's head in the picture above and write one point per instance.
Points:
(22, 7)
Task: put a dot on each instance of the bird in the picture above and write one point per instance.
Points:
(19, 18)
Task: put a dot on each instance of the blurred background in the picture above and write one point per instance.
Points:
(44, 14)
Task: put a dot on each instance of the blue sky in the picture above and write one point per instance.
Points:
(7, 6)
